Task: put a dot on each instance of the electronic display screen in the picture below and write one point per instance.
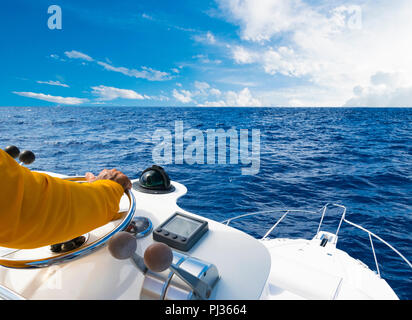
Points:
(182, 226)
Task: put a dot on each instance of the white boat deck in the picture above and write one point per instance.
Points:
(302, 269)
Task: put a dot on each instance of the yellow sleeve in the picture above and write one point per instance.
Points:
(37, 209)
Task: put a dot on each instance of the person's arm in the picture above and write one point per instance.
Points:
(37, 209)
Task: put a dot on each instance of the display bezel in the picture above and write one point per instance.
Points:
(176, 240)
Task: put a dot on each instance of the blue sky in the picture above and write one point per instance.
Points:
(207, 53)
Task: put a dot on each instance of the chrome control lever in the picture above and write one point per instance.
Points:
(199, 287)
(139, 263)
(157, 258)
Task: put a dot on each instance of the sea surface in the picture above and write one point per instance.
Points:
(358, 157)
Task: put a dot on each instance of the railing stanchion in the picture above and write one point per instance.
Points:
(374, 255)
(275, 225)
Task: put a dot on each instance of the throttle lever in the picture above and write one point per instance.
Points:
(157, 258)
(199, 287)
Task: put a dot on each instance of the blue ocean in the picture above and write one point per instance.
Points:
(358, 157)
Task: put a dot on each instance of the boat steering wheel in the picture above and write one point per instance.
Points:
(46, 258)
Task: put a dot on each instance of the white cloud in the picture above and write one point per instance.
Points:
(161, 98)
(260, 20)
(300, 96)
(56, 99)
(210, 37)
(110, 93)
(205, 59)
(219, 103)
(204, 93)
(286, 62)
(146, 16)
(383, 90)
(202, 86)
(206, 38)
(54, 83)
(215, 92)
(243, 56)
(334, 48)
(237, 81)
(183, 96)
(282, 60)
(145, 73)
(78, 55)
(242, 98)
(203, 89)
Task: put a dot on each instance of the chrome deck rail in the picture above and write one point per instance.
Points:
(370, 234)
(323, 210)
(284, 211)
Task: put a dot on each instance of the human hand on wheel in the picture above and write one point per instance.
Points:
(112, 174)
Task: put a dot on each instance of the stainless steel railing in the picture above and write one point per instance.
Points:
(323, 211)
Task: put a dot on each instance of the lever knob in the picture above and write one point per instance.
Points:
(13, 151)
(27, 157)
(122, 245)
(158, 257)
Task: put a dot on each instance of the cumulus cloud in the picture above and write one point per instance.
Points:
(183, 96)
(383, 90)
(260, 20)
(202, 86)
(50, 98)
(242, 55)
(243, 98)
(105, 93)
(215, 92)
(206, 95)
(333, 48)
(282, 60)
